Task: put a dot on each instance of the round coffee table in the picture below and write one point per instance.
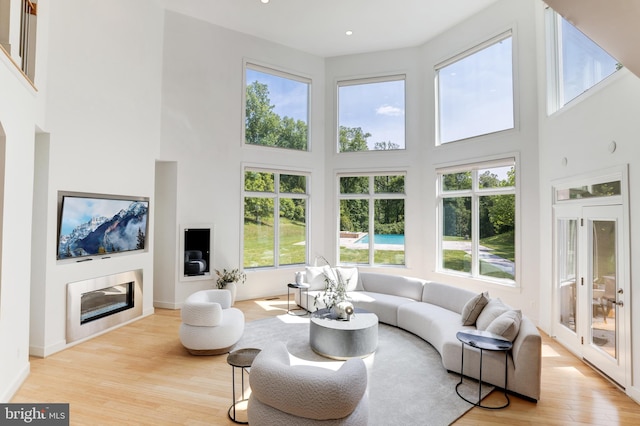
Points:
(341, 339)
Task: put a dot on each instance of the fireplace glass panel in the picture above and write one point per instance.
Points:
(106, 301)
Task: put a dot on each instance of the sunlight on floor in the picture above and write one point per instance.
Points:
(272, 305)
(548, 351)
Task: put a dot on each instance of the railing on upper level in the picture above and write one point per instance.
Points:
(27, 51)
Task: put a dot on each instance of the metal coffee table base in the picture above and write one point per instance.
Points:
(340, 339)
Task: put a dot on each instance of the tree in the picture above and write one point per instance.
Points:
(352, 139)
(140, 244)
(260, 118)
(258, 207)
(385, 146)
(265, 127)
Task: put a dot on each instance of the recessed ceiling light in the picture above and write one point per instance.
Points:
(349, 32)
(264, 1)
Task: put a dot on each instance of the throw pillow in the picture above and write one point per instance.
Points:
(493, 310)
(473, 308)
(315, 277)
(506, 325)
(349, 276)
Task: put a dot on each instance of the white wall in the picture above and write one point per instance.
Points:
(17, 140)
(202, 125)
(421, 157)
(202, 131)
(102, 130)
(581, 132)
(108, 114)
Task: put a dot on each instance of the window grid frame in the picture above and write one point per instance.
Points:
(475, 193)
(276, 195)
(277, 72)
(371, 196)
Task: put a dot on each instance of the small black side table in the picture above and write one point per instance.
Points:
(484, 341)
(299, 287)
(241, 358)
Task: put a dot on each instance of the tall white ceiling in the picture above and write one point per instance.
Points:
(318, 26)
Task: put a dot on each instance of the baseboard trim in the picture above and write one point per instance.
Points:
(15, 386)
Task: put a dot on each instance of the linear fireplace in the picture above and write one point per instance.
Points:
(98, 304)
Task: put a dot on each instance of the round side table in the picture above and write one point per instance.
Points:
(300, 287)
(242, 359)
(483, 341)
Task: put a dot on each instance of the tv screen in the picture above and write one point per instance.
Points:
(100, 225)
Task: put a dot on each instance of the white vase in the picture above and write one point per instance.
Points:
(233, 288)
(342, 310)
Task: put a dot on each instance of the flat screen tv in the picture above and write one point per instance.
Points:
(100, 225)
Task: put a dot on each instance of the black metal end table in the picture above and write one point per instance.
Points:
(241, 358)
(300, 287)
(484, 341)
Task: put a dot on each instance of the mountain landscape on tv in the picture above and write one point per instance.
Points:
(125, 231)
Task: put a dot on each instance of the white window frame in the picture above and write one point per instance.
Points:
(276, 195)
(510, 33)
(555, 86)
(371, 196)
(362, 81)
(255, 66)
(475, 193)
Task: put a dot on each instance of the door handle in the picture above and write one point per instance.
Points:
(620, 303)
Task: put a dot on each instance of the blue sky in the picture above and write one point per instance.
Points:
(79, 210)
(290, 97)
(378, 108)
(476, 93)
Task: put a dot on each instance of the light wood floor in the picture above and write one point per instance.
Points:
(139, 374)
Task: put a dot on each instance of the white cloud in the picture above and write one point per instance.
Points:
(389, 110)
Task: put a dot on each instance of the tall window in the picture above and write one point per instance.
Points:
(371, 114)
(576, 63)
(372, 219)
(477, 220)
(275, 218)
(475, 91)
(276, 108)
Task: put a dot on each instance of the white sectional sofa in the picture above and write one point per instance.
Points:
(434, 312)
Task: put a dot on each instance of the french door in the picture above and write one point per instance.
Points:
(591, 282)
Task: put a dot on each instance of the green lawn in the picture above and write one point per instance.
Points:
(502, 245)
(258, 249)
(258, 243)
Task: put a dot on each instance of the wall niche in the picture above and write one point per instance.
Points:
(196, 249)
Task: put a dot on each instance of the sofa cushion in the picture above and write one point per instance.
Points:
(385, 306)
(473, 308)
(507, 324)
(350, 276)
(446, 296)
(395, 285)
(493, 310)
(315, 276)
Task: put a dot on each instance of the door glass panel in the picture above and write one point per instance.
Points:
(604, 261)
(567, 270)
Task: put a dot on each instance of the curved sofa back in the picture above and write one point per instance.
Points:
(446, 296)
(395, 285)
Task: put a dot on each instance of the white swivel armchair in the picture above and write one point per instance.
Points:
(210, 326)
(285, 394)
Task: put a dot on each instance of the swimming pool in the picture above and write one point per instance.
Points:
(396, 239)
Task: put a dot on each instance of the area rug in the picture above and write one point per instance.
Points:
(407, 383)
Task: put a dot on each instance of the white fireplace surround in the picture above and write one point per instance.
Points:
(75, 329)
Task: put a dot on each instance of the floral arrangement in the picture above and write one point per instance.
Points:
(335, 291)
(230, 276)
